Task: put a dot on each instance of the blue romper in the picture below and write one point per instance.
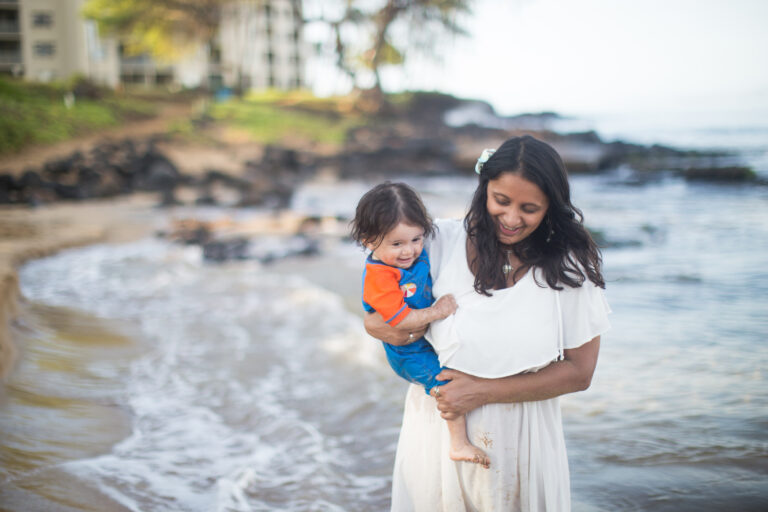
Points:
(393, 292)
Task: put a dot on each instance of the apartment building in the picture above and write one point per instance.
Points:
(10, 38)
(259, 45)
(44, 40)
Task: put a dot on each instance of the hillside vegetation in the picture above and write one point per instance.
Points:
(33, 114)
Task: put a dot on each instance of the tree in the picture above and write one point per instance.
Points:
(166, 29)
(365, 35)
(418, 20)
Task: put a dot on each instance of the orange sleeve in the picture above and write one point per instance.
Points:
(381, 291)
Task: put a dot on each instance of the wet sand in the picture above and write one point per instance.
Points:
(71, 413)
(29, 233)
(60, 404)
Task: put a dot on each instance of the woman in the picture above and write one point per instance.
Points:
(526, 276)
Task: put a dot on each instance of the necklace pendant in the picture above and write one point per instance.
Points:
(506, 268)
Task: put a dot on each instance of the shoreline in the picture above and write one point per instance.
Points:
(31, 233)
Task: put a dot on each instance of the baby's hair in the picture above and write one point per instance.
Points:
(383, 207)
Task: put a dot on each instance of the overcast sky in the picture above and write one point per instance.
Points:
(603, 56)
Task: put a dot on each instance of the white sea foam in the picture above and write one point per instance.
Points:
(257, 388)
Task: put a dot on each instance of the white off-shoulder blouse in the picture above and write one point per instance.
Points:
(516, 329)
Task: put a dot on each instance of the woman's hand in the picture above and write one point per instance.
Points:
(465, 392)
(462, 394)
(376, 327)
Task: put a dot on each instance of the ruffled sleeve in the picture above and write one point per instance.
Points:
(584, 313)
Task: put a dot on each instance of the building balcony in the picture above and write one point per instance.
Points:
(143, 67)
(8, 58)
(9, 27)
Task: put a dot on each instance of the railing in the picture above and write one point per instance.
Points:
(9, 27)
(135, 60)
(10, 58)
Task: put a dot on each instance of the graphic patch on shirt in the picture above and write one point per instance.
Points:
(408, 289)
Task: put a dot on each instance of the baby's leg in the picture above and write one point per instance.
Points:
(461, 448)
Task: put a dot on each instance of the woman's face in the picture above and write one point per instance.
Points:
(516, 205)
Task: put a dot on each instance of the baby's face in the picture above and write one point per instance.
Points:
(401, 246)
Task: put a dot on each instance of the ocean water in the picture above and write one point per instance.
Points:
(169, 384)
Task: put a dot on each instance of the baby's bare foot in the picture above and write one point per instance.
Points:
(470, 453)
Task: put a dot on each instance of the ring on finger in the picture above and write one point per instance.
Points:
(437, 392)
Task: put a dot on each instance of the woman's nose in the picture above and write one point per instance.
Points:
(511, 219)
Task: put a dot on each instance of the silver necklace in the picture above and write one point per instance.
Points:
(507, 267)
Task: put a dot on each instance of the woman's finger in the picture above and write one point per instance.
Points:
(446, 375)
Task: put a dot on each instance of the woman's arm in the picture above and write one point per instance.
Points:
(465, 392)
(376, 327)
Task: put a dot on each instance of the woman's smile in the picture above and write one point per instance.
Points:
(509, 231)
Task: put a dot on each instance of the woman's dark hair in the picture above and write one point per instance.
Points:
(383, 207)
(561, 247)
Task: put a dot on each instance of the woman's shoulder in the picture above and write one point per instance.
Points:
(447, 236)
(449, 227)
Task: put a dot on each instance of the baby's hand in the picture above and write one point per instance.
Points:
(445, 306)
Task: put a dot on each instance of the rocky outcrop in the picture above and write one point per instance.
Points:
(107, 170)
(112, 169)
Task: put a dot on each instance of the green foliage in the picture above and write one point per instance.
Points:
(273, 116)
(422, 21)
(167, 29)
(37, 114)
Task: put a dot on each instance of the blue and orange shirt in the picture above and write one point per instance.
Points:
(393, 292)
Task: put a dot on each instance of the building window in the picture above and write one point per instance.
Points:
(132, 78)
(164, 78)
(42, 19)
(45, 49)
(215, 54)
(215, 82)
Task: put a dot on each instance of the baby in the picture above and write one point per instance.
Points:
(392, 222)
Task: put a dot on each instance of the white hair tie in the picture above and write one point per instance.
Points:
(484, 156)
